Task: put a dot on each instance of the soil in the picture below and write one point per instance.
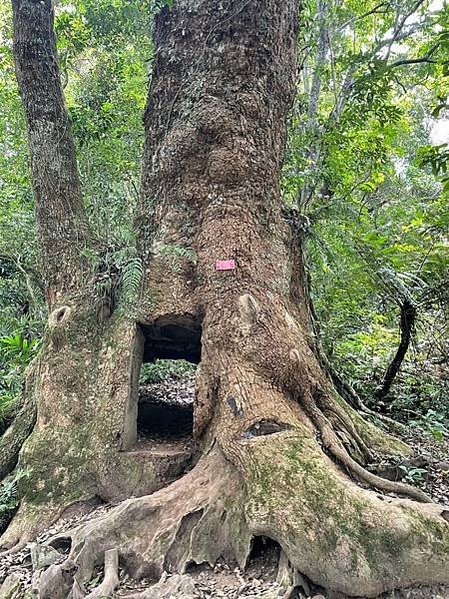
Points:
(165, 416)
(171, 391)
(428, 469)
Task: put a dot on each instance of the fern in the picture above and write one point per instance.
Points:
(175, 254)
(116, 276)
(130, 282)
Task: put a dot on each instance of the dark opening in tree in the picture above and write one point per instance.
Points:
(160, 406)
(263, 560)
(172, 338)
(165, 403)
(278, 446)
(159, 421)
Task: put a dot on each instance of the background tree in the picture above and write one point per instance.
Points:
(370, 87)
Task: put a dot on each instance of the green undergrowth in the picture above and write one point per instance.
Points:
(163, 370)
(10, 496)
(17, 350)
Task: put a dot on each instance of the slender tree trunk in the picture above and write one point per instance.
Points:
(311, 128)
(406, 325)
(63, 232)
(277, 447)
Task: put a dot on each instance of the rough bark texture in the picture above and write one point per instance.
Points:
(62, 226)
(85, 386)
(280, 451)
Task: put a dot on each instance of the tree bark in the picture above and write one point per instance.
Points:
(277, 447)
(63, 231)
(406, 325)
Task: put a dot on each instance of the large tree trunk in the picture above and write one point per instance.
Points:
(279, 452)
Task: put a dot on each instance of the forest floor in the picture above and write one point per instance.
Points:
(428, 469)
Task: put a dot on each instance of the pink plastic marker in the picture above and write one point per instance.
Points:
(225, 265)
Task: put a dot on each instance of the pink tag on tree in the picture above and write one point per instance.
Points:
(225, 265)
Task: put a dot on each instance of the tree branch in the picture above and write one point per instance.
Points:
(381, 8)
(63, 230)
(305, 193)
(423, 59)
(31, 273)
(398, 35)
(399, 25)
(400, 63)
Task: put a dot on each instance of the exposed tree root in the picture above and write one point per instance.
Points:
(196, 519)
(333, 444)
(342, 420)
(111, 579)
(346, 391)
(353, 399)
(210, 183)
(266, 475)
(338, 535)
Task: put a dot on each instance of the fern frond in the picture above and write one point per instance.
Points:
(130, 282)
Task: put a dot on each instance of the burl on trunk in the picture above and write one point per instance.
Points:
(279, 452)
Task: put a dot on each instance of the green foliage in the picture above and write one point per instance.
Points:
(365, 174)
(437, 157)
(159, 4)
(131, 280)
(116, 276)
(162, 370)
(16, 352)
(413, 475)
(10, 496)
(175, 255)
(435, 423)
